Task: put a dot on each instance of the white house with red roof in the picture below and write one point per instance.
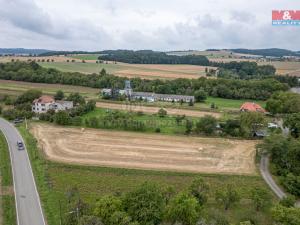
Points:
(252, 107)
(46, 102)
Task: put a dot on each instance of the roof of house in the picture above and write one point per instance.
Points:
(252, 107)
(44, 99)
(63, 102)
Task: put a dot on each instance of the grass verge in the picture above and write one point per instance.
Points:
(7, 199)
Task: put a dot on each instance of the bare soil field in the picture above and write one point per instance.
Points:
(144, 151)
(153, 109)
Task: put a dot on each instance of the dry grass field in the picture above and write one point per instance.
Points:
(291, 68)
(120, 69)
(144, 151)
(18, 87)
(153, 109)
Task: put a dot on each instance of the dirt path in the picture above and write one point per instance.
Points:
(153, 109)
(144, 151)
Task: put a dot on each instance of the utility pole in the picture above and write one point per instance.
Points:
(26, 125)
(60, 212)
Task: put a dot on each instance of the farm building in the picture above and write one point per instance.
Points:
(151, 97)
(252, 107)
(147, 96)
(45, 103)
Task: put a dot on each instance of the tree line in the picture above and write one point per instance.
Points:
(284, 150)
(152, 57)
(224, 88)
(153, 204)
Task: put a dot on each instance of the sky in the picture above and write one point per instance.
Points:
(162, 25)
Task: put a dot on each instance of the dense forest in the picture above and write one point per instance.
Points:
(244, 70)
(13, 51)
(53, 53)
(152, 57)
(225, 88)
(275, 52)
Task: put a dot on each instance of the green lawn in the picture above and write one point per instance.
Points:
(86, 56)
(166, 124)
(55, 179)
(7, 200)
(223, 104)
(82, 67)
(230, 103)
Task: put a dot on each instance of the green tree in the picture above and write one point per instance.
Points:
(292, 121)
(252, 122)
(206, 125)
(59, 95)
(286, 216)
(199, 189)
(183, 209)
(162, 112)
(106, 207)
(76, 98)
(62, 118)
(179, 119)
(261, 198)
(90, 105)
(200, 95)
(103, 72)
(145, 204)
(283, 102)
(227, 197)
(188, 126)
(288, 201)
(120, 218)
(90, 220)
(28, 96)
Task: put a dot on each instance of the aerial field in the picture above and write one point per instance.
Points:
(146, 71)
(282, 67)
(18, 87)
(86, 56)
(153, 109)
(144, 151)
(291, 68)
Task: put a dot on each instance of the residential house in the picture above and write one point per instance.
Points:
(252, 107)
(46, 103)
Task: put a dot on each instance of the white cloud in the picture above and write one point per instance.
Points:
(135, 24)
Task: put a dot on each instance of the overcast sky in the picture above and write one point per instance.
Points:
(144, 24)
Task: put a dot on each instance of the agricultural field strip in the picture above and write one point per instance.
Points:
(152, 110)
(144, 151)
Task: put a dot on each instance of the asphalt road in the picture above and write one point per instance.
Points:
(264, 170)
(28, 206)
